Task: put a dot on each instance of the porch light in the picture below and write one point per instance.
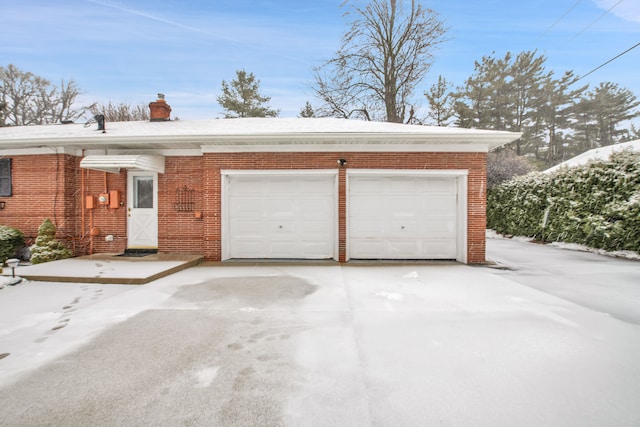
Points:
(12, 264)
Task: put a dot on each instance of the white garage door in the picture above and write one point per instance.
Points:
(403, 217)
(280, 216)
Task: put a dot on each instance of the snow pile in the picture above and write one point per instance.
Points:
(600, 153)
(597, 205)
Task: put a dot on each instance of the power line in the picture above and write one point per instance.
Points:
(562, 17)
(597, 19)
(611, 60)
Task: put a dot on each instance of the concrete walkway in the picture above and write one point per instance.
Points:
(108, 268)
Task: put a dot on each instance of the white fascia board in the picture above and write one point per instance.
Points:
(464, 140)
(348, 148)
(37, 151)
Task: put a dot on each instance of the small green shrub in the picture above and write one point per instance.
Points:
(46, 247)
(10, 241)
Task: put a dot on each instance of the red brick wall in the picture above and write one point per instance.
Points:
(43, 187)
(53, 186)
(103, 219)
(475, 163)
(180, 231)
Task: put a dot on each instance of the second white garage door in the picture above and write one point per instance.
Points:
(404, 216)
(280, 215)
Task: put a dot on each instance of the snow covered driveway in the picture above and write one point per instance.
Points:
(602, 283)
(404, 345)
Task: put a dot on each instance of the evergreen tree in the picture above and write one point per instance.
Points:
(46, 247)
(307, 111)
(552, 131)
(557, 119)
(242, 98)
(440, 101)
(612, 105)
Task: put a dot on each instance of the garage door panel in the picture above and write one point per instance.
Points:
(407, 217)
(438, 249)
(402, 227)
(249, 185)
(440, 185)
(245, 206)
(277, 206)
(293, 216)
(317, 186)
(367, 228)
(402, 206)
(317, 227)
(316, 208)
(368, 248)
(365, 186)
(252, 227)
(399, 185)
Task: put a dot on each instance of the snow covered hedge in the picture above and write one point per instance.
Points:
(597, 205)
(10, 240)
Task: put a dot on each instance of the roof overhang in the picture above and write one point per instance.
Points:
(113, 163)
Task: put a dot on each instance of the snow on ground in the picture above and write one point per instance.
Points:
(491, 234)
(358, 345)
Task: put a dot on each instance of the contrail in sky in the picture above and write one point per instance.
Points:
(148, 16)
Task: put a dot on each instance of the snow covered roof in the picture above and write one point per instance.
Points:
(600, 153)
(248, 131)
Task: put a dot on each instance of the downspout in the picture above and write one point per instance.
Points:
(83, 201)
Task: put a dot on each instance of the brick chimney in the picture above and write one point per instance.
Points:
(160, 110)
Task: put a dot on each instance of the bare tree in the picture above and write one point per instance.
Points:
(123, 112)
(504, 164)
(386, 51)
(28, 99)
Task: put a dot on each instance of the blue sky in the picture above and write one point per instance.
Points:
(129, 50)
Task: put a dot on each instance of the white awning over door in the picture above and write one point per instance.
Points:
(113, 163)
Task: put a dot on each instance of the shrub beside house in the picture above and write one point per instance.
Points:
(597, 205)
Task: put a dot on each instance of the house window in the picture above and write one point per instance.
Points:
(5, 177)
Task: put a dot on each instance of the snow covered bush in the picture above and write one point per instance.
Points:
(597, 205)
(10, 241)
(46, 247)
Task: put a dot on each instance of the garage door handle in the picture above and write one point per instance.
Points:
(402, 228)
(279, 226)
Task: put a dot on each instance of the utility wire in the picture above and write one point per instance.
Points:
(562, 17)
(611, 60)
(597, 19)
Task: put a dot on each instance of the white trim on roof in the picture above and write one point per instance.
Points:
(113, 163)
(281, 132)
(301, 147)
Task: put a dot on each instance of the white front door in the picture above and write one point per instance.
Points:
(280, 215)
(142, 210)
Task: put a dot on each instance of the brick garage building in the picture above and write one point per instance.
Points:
(253, 188)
